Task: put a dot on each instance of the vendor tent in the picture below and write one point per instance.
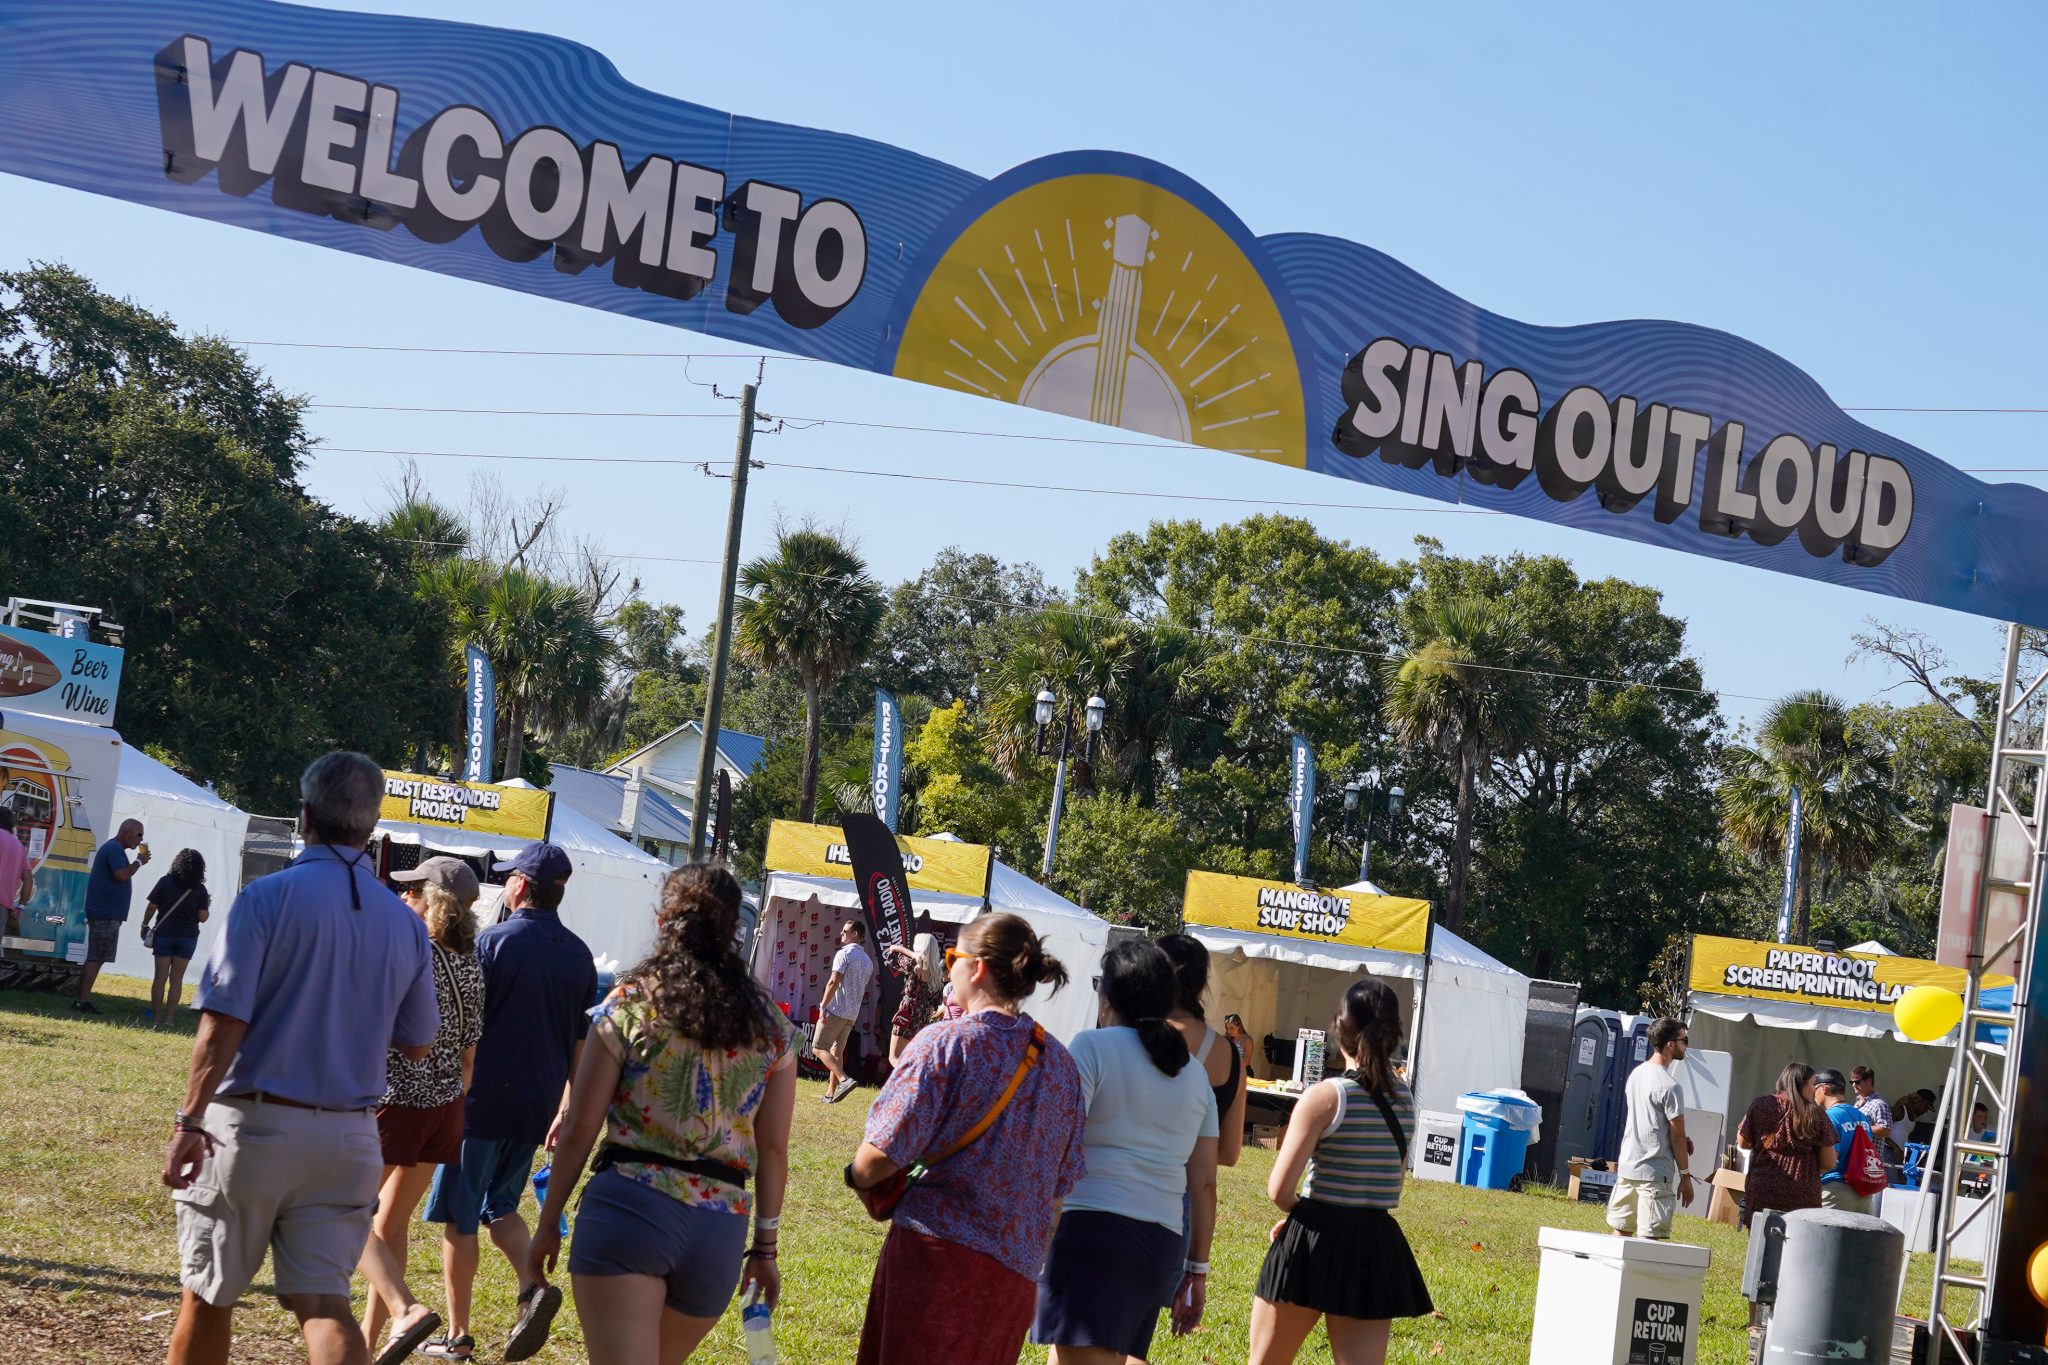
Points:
(176, 813)
(612, 893)
(1465, 1036)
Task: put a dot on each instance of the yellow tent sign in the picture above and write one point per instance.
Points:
(472, 807)
(936, 865)
(1395, 924)
(1842, 980)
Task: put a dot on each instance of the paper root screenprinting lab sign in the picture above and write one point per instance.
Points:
(943, 866)
(1777, 971)
(1395, 924)
(473, 807)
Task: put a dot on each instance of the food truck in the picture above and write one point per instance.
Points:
(58, 778)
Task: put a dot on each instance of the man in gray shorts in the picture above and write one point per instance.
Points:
(319, 971)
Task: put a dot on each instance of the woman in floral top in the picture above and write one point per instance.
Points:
(924, 976)
(691, 1085)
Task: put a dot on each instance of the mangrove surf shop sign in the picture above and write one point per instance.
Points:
(1775, 971)
(1095, 284)
(943, 866)
(1254, 906)
(473, 807)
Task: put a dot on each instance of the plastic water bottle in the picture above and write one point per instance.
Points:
(540, 1192)
(759, 1330)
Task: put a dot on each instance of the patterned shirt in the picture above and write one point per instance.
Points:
(1357, 1163)
(436, 1079)
(997, 1196)
(680, 1100)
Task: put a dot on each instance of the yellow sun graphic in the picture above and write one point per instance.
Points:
(1107, 298)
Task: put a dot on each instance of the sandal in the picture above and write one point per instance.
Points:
(449, 1348)
(537, 1309)
(403, 1344)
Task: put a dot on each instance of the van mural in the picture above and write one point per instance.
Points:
(58, 779)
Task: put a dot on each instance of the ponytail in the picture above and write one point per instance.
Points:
(1190, 959)
(1138, 983)
(1016, 958)
(1368, 1029)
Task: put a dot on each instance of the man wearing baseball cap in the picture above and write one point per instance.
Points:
(539, 980)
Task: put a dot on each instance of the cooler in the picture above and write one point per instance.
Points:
(1435, 1144)
(1494, 1135)
(1607, 1300)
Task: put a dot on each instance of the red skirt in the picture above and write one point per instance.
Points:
(935, 1300)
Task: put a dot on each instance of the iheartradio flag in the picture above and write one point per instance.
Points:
(878, 872)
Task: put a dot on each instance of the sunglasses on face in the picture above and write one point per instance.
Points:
(954, 955)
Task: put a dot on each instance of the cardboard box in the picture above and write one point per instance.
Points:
(1591, 1182)
(1726, 1207)
(1267, 1135)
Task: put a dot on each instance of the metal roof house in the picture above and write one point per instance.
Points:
(668, 766)
(628, 807)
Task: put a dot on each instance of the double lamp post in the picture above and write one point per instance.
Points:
(1093, 713)
(1364, 801)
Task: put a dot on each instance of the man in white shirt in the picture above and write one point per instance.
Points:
(1648, 1176)
(845, 990)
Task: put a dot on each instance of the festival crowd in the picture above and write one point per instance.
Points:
(360, 1050)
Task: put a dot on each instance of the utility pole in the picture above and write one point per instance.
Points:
(701, 802)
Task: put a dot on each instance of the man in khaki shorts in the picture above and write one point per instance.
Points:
(319, 971)
(845, 991)
(1647, 1180)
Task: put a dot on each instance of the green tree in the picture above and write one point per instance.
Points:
(1464, 692)
(810, 608)
(1807, 742)
(944, 626)
(1123, 860)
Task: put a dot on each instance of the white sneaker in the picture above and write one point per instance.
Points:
(842, 1090)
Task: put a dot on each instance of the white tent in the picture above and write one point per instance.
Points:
(1466, 1035)
(791, 906)
(612, 893)
(176, 813)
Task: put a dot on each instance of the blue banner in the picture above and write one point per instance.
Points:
(886, 773)
(1301, 803)
(1096, 284)
(1791, 869)
(480, 700)
(51, 675)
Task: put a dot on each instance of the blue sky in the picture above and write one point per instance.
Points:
(1861, 199)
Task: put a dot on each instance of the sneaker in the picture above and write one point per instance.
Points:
(85, 1007)
(537, 1309)
(842, 1090)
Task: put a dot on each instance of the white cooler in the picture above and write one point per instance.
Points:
(1433, 1150)
(1607, 1300)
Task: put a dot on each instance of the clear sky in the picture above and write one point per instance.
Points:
(1856, 189)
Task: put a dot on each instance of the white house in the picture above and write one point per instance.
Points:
(628, 808)
(669, 764)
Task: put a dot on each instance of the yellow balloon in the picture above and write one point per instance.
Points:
(1925, 1013)
(2037, 1272)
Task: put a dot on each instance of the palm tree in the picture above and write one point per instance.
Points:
(813, 607)
(429, 532)
(1806, 742)
(1462, 693)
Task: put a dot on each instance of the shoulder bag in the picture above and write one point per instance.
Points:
(881, 1200)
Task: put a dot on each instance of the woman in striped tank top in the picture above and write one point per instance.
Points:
(1339, 1254)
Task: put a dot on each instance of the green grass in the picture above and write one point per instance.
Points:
(88, 1260)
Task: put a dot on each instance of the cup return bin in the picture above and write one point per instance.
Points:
(1434, 1149)
(1607, 1300)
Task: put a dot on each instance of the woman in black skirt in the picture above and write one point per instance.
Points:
(1339, 1254)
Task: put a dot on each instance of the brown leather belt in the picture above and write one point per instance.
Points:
(265, 1097)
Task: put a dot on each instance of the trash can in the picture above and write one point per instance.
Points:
(1435, 1144)
(1494, 1136)
(1606, 1300)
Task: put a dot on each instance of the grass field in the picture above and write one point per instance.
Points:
(88, 1267)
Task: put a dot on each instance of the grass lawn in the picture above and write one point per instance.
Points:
(88, 1264)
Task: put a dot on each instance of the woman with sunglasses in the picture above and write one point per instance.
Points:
(1116, 1254)
(1338, 1254)
(956, 1277)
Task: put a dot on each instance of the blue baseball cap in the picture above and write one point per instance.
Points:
(542, 862)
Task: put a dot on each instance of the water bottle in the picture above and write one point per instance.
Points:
(540, 1193)
(759, 1331)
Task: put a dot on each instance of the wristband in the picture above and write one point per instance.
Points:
(756, 1253)
(767, 1224)
(185, 1120)
(1195, 1267)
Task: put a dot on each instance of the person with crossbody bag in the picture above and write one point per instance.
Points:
(1338, 1254)
(178, 904)
(975, 1139)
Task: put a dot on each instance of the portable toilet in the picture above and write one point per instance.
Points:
(1631, 1048)
(1585, 1090)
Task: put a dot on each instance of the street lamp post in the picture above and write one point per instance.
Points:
(1362, 801)
(1093, 713)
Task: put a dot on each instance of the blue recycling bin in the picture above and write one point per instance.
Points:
(1493, 1143)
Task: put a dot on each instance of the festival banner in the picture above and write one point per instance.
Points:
(472, 807)
(1096, 284)
(1840, 980)
(1395, 924)
(50, 675)
(1301, 803)
(480, 698)
(938, 865)
(879, 873)
(886, 772)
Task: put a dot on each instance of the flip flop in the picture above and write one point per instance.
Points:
(537, 1309)
(447, 1348)
(403, 1344)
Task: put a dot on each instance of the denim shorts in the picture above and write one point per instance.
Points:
(625, 1228)
(482, 1186)
(175, 947)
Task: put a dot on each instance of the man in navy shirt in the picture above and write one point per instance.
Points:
(539, 984)
(109, 890)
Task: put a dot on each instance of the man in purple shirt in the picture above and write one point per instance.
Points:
(318, 973)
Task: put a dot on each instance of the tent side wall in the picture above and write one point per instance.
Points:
(215, 831)
(1473, 1022)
